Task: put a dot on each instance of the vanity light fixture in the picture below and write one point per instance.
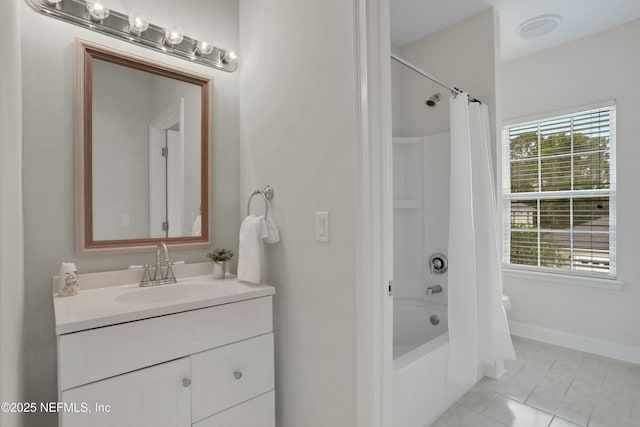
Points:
(229, 57)
(173, 36)
(203, 48)
(97, 10)
(137, 23)
(134, 28)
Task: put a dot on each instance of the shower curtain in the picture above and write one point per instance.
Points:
(478, 330)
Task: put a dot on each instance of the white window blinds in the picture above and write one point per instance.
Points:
(559, 193)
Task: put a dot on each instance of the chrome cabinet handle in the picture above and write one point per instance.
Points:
(186, 382)
(237, 374)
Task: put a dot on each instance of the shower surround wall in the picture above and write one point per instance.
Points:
(600, 319)
(465, 55)
(48, 65)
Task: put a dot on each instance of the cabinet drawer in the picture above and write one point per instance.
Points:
(151, 397)
(258, 412)
(92, 355)
(230, 375)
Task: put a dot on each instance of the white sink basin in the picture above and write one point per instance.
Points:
(165, 293)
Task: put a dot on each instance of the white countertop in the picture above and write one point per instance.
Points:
(97, 307)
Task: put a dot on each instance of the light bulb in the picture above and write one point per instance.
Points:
(173, 36)
(137, 23)
(204, 48)
(229, 57)
(97, 10)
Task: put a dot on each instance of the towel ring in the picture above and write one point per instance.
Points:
(267, 194)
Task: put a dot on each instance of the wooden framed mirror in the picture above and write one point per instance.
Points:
(142, 153)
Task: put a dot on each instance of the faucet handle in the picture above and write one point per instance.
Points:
(146, 274)
(170, 277)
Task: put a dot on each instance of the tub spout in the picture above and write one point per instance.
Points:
(435, 289)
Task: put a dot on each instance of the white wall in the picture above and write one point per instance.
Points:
(597, 68)
(48, 164)
(11, 231)
(298, 134)
(121, 139)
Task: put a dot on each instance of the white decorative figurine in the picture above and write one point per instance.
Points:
(68, 283)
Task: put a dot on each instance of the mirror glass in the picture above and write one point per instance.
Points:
(145, 139)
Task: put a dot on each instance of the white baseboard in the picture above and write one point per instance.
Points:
(577, 342)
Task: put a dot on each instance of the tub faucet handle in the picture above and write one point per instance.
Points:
(435, 289)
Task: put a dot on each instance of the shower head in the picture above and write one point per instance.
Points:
(431, 102)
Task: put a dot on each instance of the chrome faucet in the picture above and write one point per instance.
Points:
(163, 271)
(160, 250)
(435, 289)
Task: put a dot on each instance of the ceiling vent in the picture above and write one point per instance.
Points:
(538, 26)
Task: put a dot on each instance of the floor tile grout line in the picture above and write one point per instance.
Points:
(546, 389)
(593, 408)
(593, 404)
(493, 399)
(529, 395)
(513, 400)
(566, 393)
(480, 412)
(552, 373)
(553, 364)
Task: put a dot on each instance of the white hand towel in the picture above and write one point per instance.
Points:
(250, 249)
(253, 231)
(270, 232)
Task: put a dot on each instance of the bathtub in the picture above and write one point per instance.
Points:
(421, 350)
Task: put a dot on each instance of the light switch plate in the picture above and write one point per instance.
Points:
(322, 226)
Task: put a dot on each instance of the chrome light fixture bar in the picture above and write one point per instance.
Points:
(154, 37)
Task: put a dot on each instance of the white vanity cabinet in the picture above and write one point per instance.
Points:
(154, 396)
(206, 367)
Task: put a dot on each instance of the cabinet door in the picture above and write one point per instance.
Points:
(230, 375)
(158, 396)
(258, 412)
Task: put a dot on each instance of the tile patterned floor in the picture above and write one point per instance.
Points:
(551, 386)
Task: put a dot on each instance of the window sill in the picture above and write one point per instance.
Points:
(564, 279)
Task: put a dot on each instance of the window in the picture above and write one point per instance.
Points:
(559, 193)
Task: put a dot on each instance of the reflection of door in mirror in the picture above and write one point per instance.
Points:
(166, 173)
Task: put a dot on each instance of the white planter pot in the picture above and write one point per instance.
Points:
(218, 270)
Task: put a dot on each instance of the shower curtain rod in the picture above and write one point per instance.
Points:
(454, 90)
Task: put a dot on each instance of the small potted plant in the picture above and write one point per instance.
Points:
(220, 256)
